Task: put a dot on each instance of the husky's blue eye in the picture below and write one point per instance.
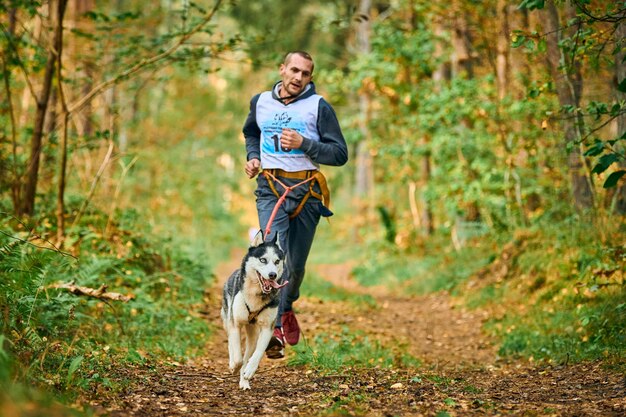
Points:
(263, 260)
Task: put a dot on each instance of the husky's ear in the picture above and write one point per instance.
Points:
(276, 240)
(258, 239)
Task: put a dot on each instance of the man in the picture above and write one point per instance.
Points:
(289, 132)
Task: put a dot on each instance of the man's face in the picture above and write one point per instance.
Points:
(296, 74)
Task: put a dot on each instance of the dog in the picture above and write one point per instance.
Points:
(250, 303)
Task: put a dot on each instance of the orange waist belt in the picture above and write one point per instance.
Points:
(318, 177)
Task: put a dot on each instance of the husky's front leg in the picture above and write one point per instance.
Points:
(252, 334)
(251, 366)
(234, 348)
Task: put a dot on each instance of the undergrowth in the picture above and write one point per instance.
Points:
(565, 288)
(337, 353)
(556, 291)
(436, 268)
(316, 287)
(65, 344)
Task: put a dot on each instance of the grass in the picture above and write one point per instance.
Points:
(314, 286)
(433, 270)
(575, 330)
(338, 353)
(562, 282)
(350, 404)
(565, 295)
(488, 294)
(56, 345)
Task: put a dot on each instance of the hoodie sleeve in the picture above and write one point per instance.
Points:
(252, 133)
(332, 148)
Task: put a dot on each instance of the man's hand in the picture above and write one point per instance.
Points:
(290, 139)
(252, 167)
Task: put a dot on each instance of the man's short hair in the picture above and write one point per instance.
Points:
(303, 54)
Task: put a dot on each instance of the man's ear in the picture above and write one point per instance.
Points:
(258, 239)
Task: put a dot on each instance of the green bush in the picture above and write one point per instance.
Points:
(63, 341)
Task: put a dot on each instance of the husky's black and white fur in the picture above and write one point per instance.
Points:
(251, 297)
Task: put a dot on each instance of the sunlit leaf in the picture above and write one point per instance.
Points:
(596, 149)
(74, 365)
(615, 110)
(604, 163)
(612, 180)
(517, 40)
(531, 4)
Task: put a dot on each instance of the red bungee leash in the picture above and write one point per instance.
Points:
(282, 198)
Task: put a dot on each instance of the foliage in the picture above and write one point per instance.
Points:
(554, 292)
(70, 343)
(420, 274)
(269, 29)
(581, 329)
(106, 47)
(316, 287)
(568, 294)
(594, 42)
(505, 237)
(338, 353)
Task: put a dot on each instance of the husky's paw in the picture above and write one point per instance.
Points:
(244, 384)
(234, 367)
(249, 371)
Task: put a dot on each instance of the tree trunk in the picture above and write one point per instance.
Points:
(80, 67)
(425, 170)
(364, 165)
(520, 72)
(461, 44)
(27, 206)
(620, 75)
(425, 221)
(8, 110)
(568, 82)
(462, 66)
(502, 59)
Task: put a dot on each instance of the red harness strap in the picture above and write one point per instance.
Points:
(282, 198)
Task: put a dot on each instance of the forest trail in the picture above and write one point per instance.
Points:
(460, 373)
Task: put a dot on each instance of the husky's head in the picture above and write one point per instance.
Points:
(265, 260)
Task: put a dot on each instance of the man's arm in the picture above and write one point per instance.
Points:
(252, 133)
(332, 148)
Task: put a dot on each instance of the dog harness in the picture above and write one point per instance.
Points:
(253, 315)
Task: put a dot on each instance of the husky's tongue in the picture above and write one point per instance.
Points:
(268, 284)
(277, 285)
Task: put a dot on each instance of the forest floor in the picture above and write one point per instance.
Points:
(460, 372)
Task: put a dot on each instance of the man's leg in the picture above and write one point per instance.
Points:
(299, 241)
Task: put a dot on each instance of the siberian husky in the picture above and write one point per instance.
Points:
(250, 302)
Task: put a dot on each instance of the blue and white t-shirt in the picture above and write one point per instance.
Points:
(272, 117)
(308, 114)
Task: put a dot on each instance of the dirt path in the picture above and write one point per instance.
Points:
(460, 374)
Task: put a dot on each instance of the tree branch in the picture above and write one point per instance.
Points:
(29, 84)
(53, 248)
(94, 184)
(100, 293)
(74, 107)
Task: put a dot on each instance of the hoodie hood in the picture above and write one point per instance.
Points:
(308, 91)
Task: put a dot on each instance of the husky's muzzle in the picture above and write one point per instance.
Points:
(268, 284)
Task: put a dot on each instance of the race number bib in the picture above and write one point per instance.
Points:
(272, 130)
